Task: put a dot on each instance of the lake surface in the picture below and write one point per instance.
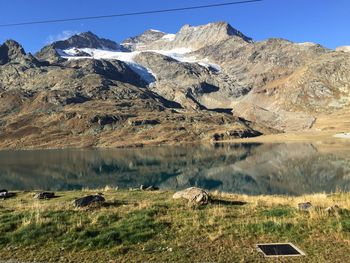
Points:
(292, 169)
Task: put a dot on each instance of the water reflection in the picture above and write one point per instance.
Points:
(241, 168)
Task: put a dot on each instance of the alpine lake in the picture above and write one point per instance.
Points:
(253, 169)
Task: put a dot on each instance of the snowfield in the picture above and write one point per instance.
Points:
(179, 54)
(127, 57)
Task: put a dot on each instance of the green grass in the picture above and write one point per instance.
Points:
(278, 212)
(143, 226)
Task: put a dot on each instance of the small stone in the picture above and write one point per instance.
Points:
(304, 206)
(149, 188)
(3, 192)
(334, 209)
(44, 195)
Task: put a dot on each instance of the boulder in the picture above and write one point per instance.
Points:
(193, 195)
(6, 194)
(3, 193)
(88, 200)
(304, 206)
(44, 195)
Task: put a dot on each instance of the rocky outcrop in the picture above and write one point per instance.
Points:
(108, 70)
(146, 38)
(279, 119)
(192, 85)
(50, 54)
(198, 37)
(12, 52)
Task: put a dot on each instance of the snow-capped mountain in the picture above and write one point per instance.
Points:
(88, 40)
(218, 55)
(190, 37)
(208, 82)
(89, 46)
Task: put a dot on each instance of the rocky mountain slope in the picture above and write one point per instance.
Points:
(207, 82)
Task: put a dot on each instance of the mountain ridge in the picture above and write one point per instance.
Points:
(204, 83)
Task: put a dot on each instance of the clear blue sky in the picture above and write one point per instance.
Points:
(322, 21)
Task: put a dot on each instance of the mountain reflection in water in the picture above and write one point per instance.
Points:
(293, 169)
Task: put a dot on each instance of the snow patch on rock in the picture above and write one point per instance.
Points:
(344, 135)
(307, 44)
(343, 49)
(169, 37)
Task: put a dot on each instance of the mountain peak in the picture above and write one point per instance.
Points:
(197, 37)
(88, 34)
(11, 50)
(14, 46)
(191, 37)
(218, 30)
(145, 38)
(86, 40)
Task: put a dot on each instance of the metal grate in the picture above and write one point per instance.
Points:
(279, 250)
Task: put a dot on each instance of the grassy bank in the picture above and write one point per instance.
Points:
(151, 227)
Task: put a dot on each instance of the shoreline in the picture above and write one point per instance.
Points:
(116, 189)
(308, 136)
(296, 137)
